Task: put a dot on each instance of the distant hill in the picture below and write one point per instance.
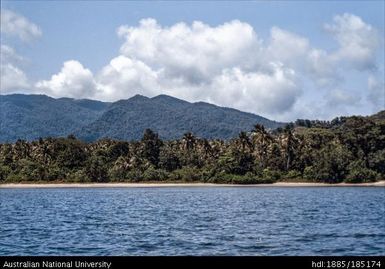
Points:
(32, 116)
(379, 116)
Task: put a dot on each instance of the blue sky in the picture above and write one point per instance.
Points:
(83, 34)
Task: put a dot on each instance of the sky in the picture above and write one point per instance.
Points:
(280, 59)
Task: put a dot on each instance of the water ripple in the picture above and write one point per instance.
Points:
(193, 221)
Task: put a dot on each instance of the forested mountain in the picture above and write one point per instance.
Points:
(30, 117)
(349, 149)
(170, 118)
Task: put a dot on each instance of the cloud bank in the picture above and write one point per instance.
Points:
(227, 64)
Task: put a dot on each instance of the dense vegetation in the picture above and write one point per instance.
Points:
(348, 149)
(29, 117)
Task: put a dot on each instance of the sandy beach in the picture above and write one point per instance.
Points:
(158, 185)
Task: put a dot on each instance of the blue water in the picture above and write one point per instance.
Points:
(193, 221)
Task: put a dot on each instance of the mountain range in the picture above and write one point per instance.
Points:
(30, 117)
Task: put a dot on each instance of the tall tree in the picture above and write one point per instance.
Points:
(261, 142)
(151, 146)
(244, 141)
(189, 141)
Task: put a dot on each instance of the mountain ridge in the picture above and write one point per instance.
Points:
(32, 116)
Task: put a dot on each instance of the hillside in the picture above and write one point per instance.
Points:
(32, 116)
(170, 118)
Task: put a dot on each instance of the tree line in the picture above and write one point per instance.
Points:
(349, 149)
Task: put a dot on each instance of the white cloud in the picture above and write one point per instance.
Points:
(124, 77)
(338, 98)
(17, 25)
(196, 63)
(322, 68)
(258, 92)
(202, 63)
(8, 54)
(358, 41)
(73, 80)
(276, 90)
(228, 65)
(358, 44)
(296, 52)
(376, 93)
(286, 46)
(12, 77)
(194, 53)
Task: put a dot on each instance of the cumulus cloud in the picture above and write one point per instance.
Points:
(195, 62)
(286, 46)
(358, 44)
(194, 53)
(276, 90)
(124, 77)
(358, 41)
(73, 80)
(17, 25)
(201, 62)
(228, 65)
(12, 77)
(259, 92)
(296, 52)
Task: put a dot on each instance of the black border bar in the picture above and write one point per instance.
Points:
(113, 262)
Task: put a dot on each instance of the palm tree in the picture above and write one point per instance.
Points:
(207, 147)
(244, 140)
(290, 146)
(21, 149)
(151, 146)
(261, 140)
(189, 141)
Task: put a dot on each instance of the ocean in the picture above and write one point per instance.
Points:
(193, 221)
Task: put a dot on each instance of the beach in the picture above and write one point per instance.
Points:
(159, 185)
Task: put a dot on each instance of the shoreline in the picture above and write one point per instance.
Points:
(157, 185)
